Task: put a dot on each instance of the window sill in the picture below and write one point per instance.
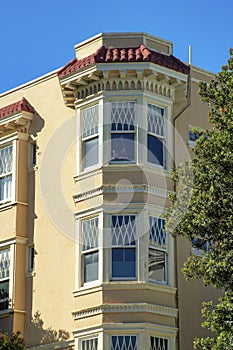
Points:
(5, 313)
(30, 274)
(123, 285)
(87, 173)
(159, 283)
(32, 168)
(122, 162)
(122, 279)
(191, 144)
(6, 205)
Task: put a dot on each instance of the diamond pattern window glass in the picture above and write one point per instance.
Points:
(157, 343)
(157, 254)
(89, 344)
(156, 135)
(5, 173)
(124, 342)
(90, 121)
(123, 131)
(90, 252)
(123, 235)
(90, 139)
(4, 278)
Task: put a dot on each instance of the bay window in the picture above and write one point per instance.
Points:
(123, 131)
(123, 235)
(90, 249)
(6, 173)
(157, 255)
(156, 135)
(90, 136)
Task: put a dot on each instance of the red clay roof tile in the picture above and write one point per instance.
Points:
(138, 54)
(22, 105)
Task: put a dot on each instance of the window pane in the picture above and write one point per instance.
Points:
(5, 160)
(157, 343)
(123, 116)
(157, 235)
(90, 121)
(124, 262)
(91, 267)
(157, 265)
(4, 263)
(123, 230)
(90, 344)
(155, 120)
(5, 187)
(122, 147)
(90, 233)
(124, 342)
(4, 295)
(31, 258)
(91, 152)
(155, 150)
(193, 136)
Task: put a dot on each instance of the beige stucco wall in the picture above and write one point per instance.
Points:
(44, 298)
(48, 290)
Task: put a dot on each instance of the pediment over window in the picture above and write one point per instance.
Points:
(16, 117)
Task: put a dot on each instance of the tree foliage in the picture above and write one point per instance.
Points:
(11, 342)
(203, 208)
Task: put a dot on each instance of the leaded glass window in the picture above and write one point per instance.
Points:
(123, 131)
(90, 136)
(89, 344)
(90, 252)
(156, 135)
(123, 235)
(5, 173)
(124, 342)
(158, 343)
(157, 250)
(4, 278)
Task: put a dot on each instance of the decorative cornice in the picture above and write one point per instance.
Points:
(160, 192)
(16, 117)
(127, 308)
(160, 82)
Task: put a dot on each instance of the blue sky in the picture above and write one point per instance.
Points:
(38, 36)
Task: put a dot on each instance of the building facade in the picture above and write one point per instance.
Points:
(86, 154)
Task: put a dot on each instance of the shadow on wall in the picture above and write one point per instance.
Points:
(46, 335)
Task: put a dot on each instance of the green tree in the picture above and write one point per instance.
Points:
(206, 184)
(11, 342)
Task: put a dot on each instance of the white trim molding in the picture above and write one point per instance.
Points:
(160, 192)
(126, 308)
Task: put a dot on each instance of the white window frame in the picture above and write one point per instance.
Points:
(162, 138)
(125, 132)
(124, 335)
(162, 345)
(87, 135)
(86, 340)
(158, 248)
(124, 246)
(7, 197)
(4, 142)
(90, 251)
(11, 248)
